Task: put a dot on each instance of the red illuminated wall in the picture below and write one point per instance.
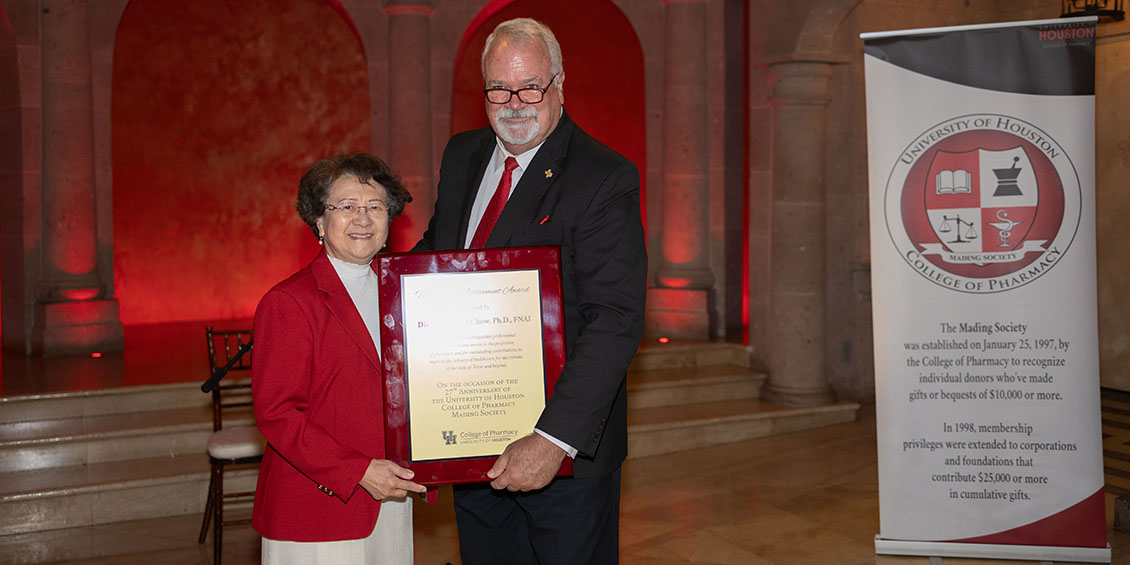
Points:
(217, 109)
(604, 73)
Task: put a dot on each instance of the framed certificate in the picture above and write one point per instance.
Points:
(472, 344)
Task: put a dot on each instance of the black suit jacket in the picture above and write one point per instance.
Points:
(578, 194)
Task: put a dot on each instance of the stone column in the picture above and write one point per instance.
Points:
(74, 310)
(797, 326)
(678, 304)
(410, 112)
(20, 146)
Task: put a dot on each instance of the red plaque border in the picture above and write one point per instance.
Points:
(390, 268)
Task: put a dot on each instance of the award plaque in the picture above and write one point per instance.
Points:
(472, 343)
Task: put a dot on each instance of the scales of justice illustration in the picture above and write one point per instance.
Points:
(959, 182)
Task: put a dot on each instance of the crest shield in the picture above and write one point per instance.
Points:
(980, 203)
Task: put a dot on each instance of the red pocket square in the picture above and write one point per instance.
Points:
(544, 220)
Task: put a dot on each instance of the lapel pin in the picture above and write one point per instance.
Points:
(548, 173)
(544, 220)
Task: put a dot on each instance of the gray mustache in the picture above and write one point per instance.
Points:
(512, 113)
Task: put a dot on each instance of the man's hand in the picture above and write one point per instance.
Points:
(385, 479)
(527, 464)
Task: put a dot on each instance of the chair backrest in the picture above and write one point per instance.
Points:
(234, 389)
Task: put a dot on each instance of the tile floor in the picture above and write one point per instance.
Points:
(802, 498)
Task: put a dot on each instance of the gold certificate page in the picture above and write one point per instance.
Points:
(474, 366)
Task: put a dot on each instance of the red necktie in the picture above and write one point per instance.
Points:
(494, 209)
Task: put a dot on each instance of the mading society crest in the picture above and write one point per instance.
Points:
(982, 203)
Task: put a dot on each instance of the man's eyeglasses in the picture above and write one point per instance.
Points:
(356, 209)
(527, 94)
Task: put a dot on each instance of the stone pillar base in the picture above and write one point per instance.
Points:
(76, 328)
(797, 396)
(677, 313)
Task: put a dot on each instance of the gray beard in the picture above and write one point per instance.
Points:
(506, 134)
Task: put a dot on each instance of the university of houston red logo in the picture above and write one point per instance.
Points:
(983, 203)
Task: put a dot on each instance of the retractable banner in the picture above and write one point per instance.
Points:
(981, 160)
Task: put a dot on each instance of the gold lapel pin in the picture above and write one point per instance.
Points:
(548, 173)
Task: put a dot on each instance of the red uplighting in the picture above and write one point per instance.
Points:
(663, 340)
(674, 282)
(80, 293)
(95, 355)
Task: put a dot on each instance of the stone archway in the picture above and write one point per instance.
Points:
(816, 37)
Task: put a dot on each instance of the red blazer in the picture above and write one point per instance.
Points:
(316, 384)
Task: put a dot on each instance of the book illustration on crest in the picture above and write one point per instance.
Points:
(958, 181)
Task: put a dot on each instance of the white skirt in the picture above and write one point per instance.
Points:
(389, 544)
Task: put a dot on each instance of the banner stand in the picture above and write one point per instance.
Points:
(993, 551)
(981, 152)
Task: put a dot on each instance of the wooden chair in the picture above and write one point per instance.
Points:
(228, 352)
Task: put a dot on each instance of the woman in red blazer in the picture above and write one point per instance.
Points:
(325, 492)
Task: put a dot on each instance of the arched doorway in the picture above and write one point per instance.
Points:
(604, 70)
(217, 109)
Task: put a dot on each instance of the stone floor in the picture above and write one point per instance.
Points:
(802, 498)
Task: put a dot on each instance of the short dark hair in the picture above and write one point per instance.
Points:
(315, 185)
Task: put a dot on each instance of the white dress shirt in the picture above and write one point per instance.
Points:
(489, 184)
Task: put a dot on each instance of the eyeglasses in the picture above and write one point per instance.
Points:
(356, 209)
(527, 94)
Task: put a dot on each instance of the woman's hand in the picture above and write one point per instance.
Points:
(385, 479)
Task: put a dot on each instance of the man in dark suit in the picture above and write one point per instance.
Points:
(568, 190)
